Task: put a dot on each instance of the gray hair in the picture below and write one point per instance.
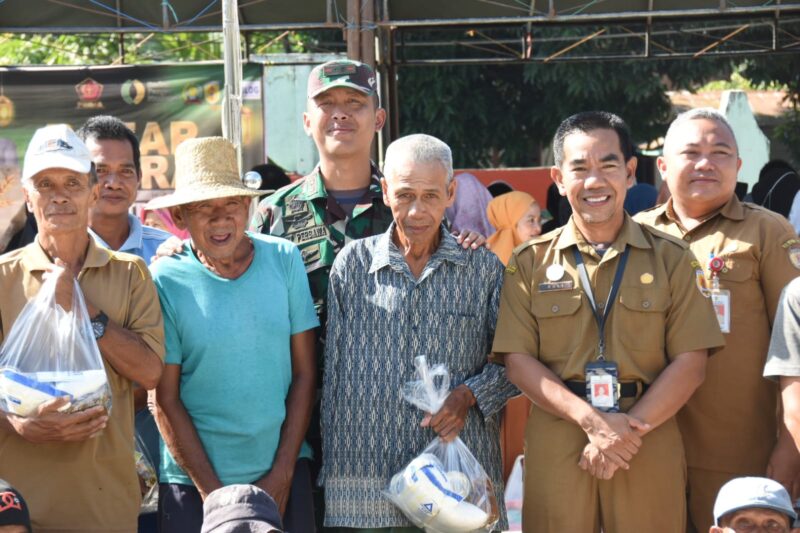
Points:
(707, 113)
(419, 148)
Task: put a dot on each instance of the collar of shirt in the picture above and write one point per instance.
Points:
(733, 210)
(388, 255)
(35, 259)
(314, 186)
(630, 234)
(134, 240)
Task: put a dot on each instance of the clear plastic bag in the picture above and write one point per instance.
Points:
(148, 481)
(444, 489)
(514, 495)
(49, 353)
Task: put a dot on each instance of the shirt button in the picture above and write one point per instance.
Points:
(646, 304)
(687, 237)
(601, 305)
(554, 309)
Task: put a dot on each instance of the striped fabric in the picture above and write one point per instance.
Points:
(380, 317)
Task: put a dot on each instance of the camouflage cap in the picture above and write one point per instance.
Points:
(341, 73)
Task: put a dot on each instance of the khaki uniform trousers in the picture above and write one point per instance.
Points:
(560, 496)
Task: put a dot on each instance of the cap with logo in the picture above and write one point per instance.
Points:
(56, 146)
(752, 492)
(13, 509)
(341, 73)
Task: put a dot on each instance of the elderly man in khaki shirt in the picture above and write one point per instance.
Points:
(747, 255)
(594, 457)
(77, 470)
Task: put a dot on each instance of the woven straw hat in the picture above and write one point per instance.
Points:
(205, 169)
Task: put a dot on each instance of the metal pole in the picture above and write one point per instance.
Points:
(352, 32)
(232, 91)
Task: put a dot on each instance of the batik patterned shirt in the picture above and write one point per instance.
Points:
(380, 318)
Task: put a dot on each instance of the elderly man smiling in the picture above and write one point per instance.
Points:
(237, 391)
(409, 291)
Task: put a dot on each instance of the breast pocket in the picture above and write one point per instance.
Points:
(560, 323)
(642, 317)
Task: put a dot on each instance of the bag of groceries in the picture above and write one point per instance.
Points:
(49, 353)
(444, 489)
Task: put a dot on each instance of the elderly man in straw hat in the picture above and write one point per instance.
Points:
(236, 395)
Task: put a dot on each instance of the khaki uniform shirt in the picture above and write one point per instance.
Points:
(90, 485)
(730, 423)
(659, 312)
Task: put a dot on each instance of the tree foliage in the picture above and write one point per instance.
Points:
(504, 115)
(783, 70)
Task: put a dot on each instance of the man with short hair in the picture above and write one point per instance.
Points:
(115, 153)
(77, 470)
(240, 379)
(747, 504)
(409, 291)
(602, 326)
(746, 256)
(114, 149)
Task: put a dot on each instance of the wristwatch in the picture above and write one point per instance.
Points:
(99, 324)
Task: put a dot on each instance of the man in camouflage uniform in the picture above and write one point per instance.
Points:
(342, 117)
(341, 199)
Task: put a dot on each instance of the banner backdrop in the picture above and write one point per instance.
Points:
(163, 104)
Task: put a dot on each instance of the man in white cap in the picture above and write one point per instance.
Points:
(749, 504)
(77, 470)
(240, 377)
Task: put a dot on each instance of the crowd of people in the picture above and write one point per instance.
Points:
(648, 367)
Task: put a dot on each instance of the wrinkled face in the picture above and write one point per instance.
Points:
(60, 200)
(116, 175)
(701, 163)
(530, 224)
(594, 177)
(755, 521)
(418, 194)
(217, 226)
(342, 122)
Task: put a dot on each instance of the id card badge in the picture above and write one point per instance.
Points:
(721, 300)
(602, 385)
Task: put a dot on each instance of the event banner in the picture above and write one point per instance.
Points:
(163, 104)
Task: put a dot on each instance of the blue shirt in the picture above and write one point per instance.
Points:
(231, 338)
(142, 240)
(379, 318)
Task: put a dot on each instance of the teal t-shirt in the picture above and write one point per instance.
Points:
(232, 340)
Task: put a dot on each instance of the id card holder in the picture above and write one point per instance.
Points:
(721, 300)
(602, 385)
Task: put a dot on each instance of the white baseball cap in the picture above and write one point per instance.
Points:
(749, 492)
(56, 146)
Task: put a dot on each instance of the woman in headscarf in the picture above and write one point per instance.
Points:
(161, 219)
(517, 218)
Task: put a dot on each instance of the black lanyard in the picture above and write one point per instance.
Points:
(612, 294)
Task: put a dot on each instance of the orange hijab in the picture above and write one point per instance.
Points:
(504, 212)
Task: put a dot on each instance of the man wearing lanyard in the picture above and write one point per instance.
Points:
(747, 255)
(603, 326)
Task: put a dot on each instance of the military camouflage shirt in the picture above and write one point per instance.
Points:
(303, 213)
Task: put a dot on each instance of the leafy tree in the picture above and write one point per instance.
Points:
(505, 115)
(784, 70)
